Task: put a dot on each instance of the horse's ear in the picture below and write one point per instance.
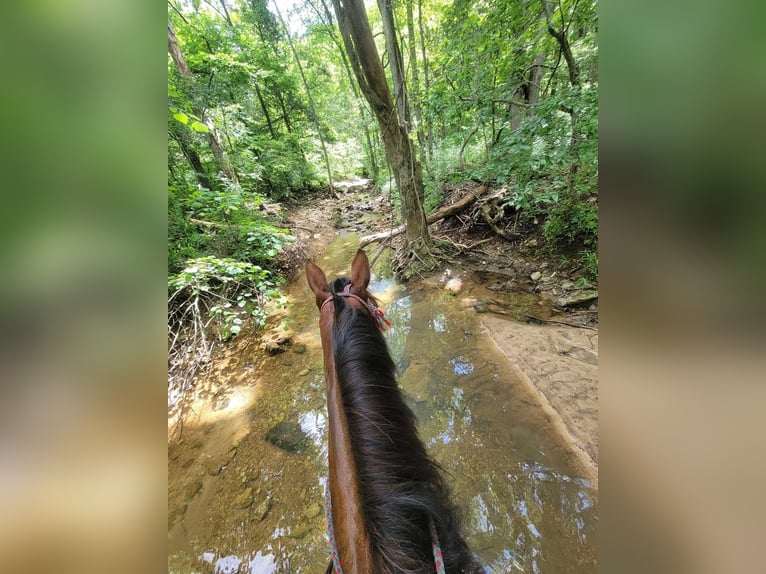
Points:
(360, 273)
(317, 281)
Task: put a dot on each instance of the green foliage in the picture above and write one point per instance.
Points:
(226, 290)
(589, 264)
(228, 224)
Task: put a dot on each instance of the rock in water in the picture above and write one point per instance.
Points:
(454, 285)
(288, 436)
(244, 499)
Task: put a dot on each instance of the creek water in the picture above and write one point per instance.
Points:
(241, 500)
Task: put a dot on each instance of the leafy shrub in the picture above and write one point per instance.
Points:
(589, 264)
(222, 291)
(228, 225)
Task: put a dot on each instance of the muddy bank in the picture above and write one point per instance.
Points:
(560, 366)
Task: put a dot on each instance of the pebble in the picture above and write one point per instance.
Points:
(262, 509)
(312, 510)
(299, 531)
(304, 372)
(245, 499)
(193, 488)
(536, 276)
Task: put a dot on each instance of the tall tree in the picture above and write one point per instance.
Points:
(325, 16)
(416, 95)
(426, 80)
(368, 69)
(561, 36)
(215, 145)
(396, 61)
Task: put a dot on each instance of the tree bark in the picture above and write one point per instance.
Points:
(368, 69)
(563, 41)
(574, 80)
(264, 109)
(215, 145)
(426, 80)
(396, 62)
(226, 13)
(370, 149)
(180, 134)
(416, 96)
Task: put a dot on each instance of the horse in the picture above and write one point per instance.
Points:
(388, 507)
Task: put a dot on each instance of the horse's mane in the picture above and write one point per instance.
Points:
(399, 484)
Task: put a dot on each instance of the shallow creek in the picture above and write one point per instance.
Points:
(246, 478)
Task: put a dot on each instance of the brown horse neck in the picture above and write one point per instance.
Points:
(351, 537)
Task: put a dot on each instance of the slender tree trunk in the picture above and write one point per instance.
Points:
(370, 149)
(181, 135)
(226, 13)
(415, 82)
(535, 79)
(563, 41)
(574, 80)
(308, 93)
(401, 98)
(285, 115)
(218, 152)
(264, 109)
(368, 69)
(426, 80)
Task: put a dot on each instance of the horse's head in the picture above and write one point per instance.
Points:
(360, 279)
(354, 292)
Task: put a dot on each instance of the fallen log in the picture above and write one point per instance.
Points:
(433, 218)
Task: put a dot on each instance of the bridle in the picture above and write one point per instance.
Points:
(377, 313)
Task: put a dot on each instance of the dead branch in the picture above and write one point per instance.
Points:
(492, 222)
(209, 223)
(433, 218)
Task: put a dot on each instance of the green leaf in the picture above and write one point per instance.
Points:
(182, 117)
(199, 128)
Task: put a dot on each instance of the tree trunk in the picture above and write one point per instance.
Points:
(574, 80)
(308, 93)
(218, 152)
(395, 60)
(368, 69)
(264, 109)
(426, 80)
(535, 79)
(445, 211)
(181, 135)
(370, 149)
(226, 13)
(415, 82)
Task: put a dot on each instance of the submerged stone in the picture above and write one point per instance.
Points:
(288, 436)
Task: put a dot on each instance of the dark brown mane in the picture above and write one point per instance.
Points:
(399, 485)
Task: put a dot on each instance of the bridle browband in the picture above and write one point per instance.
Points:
(377, 314)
